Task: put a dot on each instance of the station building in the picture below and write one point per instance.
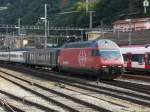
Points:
(137, 24)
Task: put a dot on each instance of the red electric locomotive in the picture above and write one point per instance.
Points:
(136, 58)
(98, 57)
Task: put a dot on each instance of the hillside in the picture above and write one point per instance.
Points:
(6, 2)
(105, 10)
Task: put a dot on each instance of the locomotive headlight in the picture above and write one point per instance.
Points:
(106, 70)
(104, 66)
(120, 66)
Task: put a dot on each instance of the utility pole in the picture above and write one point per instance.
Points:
(91, 19)
(45, 40)
(48, 24)
(91, 14)
(13, 46)
(87, 7)
(82, 35)
(91, 24)
(19, 31)
(19, 27)
(130, 30)
(102, 30)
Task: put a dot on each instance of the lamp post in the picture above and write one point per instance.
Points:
(130, 31)
(45, 42)
(145, 5)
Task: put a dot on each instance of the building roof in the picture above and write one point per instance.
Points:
(133, 20)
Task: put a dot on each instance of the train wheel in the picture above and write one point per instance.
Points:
(56, 69)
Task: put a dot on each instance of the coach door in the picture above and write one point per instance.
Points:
(25, 57)
(129, 61)
(147, 60)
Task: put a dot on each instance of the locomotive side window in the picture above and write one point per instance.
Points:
(141, 59)
(95, 52)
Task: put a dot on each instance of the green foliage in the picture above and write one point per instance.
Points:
(28, 10)
(105, 10)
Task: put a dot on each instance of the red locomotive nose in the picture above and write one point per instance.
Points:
(112, 62)
(111, 58)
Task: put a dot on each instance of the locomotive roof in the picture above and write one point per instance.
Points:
(45, 50)
(94, 43)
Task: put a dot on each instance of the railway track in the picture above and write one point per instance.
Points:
(113, 89)
(14, 103)
(140, 77)
(131, 91)
(9, 107)
(58, 97)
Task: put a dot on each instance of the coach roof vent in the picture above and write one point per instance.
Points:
(147, 45)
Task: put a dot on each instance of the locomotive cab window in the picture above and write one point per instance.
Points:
(110, 54)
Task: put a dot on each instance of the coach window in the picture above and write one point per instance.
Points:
(149, 59)
(49, 55)
(45, 56)
(32, 58)
(50, 58)
(141, 59)
(135, 58)
(21, 55)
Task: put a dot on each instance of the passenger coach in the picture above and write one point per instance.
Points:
(99, 57)
(136, 58)
(42, 57)
(16, 56)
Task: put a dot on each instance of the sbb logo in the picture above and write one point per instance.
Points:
(82, 57)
